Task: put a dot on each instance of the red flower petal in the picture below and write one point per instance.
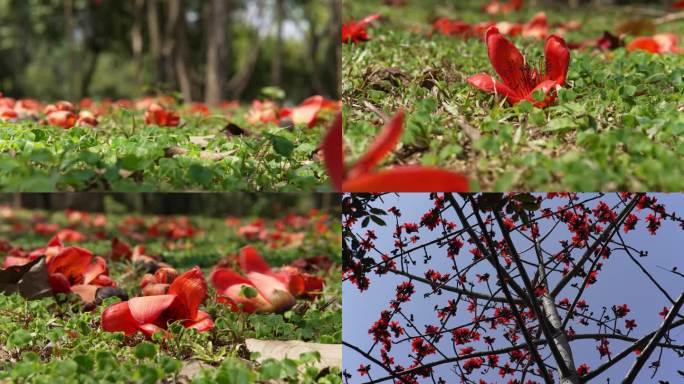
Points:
(147, 309)
(277, 293)
(59, 283)
(307, 112)
(117, 318)
(191, 290)
(85, 291)
(557, 57)
(545, 86)
(487, 83)
(383, 144)
(506, 59)
(155, 289)
(202, 323)
(13, 261)
(408, 179)
(224, 278)
(332, 153)
(251, 261)
(71, 262)
(644, 44)
(151, 329)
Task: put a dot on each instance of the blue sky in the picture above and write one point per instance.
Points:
(619, 282)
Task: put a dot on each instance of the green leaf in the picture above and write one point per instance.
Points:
(145, 350)
(282, 146)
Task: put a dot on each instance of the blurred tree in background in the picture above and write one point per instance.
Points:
(206, 50)
(205, 204)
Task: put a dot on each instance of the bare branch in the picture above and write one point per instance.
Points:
(646, 352)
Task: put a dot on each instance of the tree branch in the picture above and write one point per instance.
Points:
(646, 352)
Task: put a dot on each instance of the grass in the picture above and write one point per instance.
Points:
(617, 126)
(58, 341)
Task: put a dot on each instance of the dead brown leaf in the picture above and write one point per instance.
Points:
(29, 280)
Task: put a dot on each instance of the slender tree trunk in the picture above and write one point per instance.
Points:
(155, 39)
(180, 57)
(239, 82)
(75, 59)
(137, 41)
(216, 73)
(277, 60)
(174, 11)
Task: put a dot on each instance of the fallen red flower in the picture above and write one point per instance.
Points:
(520, 81)
(355, 32)
(158, 115)
(495, 7)
(660, 43)
(679, 4)
(361, 177)
(70, 269)
(275, 290)
(151, 314)
(309, 110)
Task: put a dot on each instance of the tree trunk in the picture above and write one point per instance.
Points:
(277, 60)
(137, 41)
(174, 11)
(180, 60)
(239, 82)
(75, 59)
(216, 52)
(155, 39)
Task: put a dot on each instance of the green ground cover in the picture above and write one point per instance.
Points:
(617, 125)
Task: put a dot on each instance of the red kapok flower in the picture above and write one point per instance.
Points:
(151, 314)
(158, 115)
(263, 289)
(495, 7)
(309, 110)
(355, 32)
(520, 81)
(660, 43)
(361, 177)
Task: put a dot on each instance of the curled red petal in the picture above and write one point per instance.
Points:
(506, 59)
(59, 283)
(383, 144)
(191, 290)
(307, 111)
(332, 153)
(147, 309)
(151, 329)
(224, 278)
(487, 83)
(557, 57)
(408, 179)
(203, 322)
(648, 44)
(546, 87)
(117, 318)
(155, 289)
(251, 261)
(277, 293)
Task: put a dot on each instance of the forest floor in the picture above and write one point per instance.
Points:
(244, 148)
(59, 339)
(617, 125)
